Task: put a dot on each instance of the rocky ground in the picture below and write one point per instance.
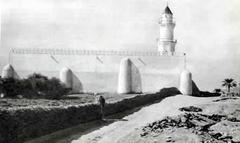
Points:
(215, 122)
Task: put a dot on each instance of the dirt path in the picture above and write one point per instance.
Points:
(117, 130)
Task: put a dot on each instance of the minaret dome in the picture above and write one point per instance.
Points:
(168, 11)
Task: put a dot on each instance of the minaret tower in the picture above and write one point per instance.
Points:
(166, 42)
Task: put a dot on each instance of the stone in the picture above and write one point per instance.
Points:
(2, 95)
(168, 139)
(191, 109)
(20, 96)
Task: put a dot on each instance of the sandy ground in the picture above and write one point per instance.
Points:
(128, 129)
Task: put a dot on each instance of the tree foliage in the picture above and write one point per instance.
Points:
(229, 83)
(35, 86)
(217, 90)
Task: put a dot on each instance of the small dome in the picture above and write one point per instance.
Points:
(65, 70)
(185, 72)
(126, 60)
(66, 77)
(8, 67)
(8, 71)
(168, 11)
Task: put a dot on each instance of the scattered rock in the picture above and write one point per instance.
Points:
(233, 119)
(3, 102)
(19, 96)
(169, 139)
(54, 104)
(225, 98)
(143, 134)
(2, 95)
(191, 109)
(199, 124)
(217, 135)
(214, 117)
(225, 137)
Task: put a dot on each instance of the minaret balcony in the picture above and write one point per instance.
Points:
(167, 40)
(167, 21)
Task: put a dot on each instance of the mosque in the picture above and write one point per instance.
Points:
(109, 71)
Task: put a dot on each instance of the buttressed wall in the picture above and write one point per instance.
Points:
(98, 71)
(108, 71)
(129, 77)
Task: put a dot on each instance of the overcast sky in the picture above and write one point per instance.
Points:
(207, 30)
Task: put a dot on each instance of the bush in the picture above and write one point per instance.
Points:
(52, 88)
(10, 87)
(217, 90)
(209, 94)
(35, 86)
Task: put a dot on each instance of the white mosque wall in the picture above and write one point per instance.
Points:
(99, 73)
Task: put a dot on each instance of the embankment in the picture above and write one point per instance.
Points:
(21, 124)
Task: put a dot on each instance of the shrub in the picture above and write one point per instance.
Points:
(52, 88)
(217, 90)
(10, 87)
(208, 94)
(35, 86)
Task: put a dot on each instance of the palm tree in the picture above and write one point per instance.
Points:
(228, 83)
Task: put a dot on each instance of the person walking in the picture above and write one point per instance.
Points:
(101, 101)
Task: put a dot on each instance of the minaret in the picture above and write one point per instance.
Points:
(166, 42)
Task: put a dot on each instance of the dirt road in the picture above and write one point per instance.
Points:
(116, 131)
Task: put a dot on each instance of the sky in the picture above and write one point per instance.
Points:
(207, 30)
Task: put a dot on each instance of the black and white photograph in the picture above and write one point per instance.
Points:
(120, 71)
